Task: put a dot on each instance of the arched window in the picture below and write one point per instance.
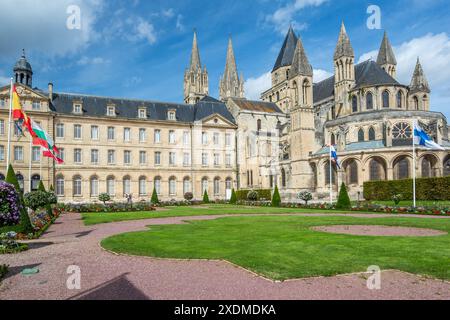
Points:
(416, 103)
(77, 186)
(204, 185)
(295, 88)
(283, 178)
(333, 139)
(157, 185)
(427, 167)
(172, 186)
(327, 173)
(352, 172)
(399, 99)
(385, 97)
(216, 186)
(369, 101)
(258, 125)
(35, 180)
(402, 169)
(60, 185)
(372, 134)
(142, 186)
(305, 92)
(94, 186)
(186, 185)
(424, 101)
(228, 184)
(447, 167)
(278, 96)
(110, 186)
(361, 137)
(126, 185)
(375, 169)
(20, 180)
(354, 104)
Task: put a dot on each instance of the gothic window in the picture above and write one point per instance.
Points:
(278, 96)
(295, 88)
(361, 135)
(402, 169)
(369, 101)
(371, 134)
(399, 99)
(385, 97)
(327, 173)
(416, 103)
(352, 172)
(424, 99)
(376, 170)
(354, 104)
(283, 178)
(427, 168)
(305, 92)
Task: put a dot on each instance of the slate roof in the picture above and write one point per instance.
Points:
(386, 54)
(258, 106)
(366, 145)
(94, 106)
(367, 73)
(286, 55)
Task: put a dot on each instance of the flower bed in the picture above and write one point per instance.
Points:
(9, 205)
(8, 243)
(108, 208)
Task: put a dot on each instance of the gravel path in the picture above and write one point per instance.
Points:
(108, 276)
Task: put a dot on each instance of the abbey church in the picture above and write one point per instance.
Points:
(125, 146)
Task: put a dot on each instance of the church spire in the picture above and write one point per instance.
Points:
(286, 54)
(196, 82)
(195, 63)
(419, 82)
(386, 58)
(231, 86)
(300, 64)
(344, 47)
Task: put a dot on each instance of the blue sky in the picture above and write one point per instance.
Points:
(139, 49)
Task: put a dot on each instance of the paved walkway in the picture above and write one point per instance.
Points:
(108, 276)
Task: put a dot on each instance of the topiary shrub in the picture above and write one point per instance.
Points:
(188, 196)
(233, 199)
(104, 197)
(154, 199)
(276, 198)
(397, 198)
(41, 186)
(343, 200)
(36, 199)
(205, 197)
(9, 205)
(252, 196)
(305, 196)
(25, 222)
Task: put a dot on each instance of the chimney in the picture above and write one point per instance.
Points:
(50, 91)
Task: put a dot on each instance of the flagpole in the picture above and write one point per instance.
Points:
(331, 179)
(31, 158)
(8, 149)
(414, 164)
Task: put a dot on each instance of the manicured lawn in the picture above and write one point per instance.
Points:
(285, 247)
(96, 218)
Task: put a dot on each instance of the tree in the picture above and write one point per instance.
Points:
(343, 200)
(154, 199)
(305, 196)
(41, 186)
(104, 197)
(205, 197)
(25, 222)
(276, 198)
(233, 199)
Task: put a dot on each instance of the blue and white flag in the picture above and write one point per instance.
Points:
(334, 156)
(422, 139)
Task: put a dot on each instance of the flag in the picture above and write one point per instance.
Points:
(17, 111)
(41, 138)
(49, 154)
(422, 139)
(334, 156)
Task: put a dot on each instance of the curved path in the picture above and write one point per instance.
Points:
(105, 275)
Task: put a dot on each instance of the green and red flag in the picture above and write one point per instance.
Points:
(42, 138)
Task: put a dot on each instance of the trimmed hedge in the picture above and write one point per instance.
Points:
(242, 195)
(426, 189)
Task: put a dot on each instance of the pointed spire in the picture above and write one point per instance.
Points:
(344, 47)
(230, 66)
(419, 82)
(300, 64)
(230, 83)
(195, 63)
(286, 54)
(386, 54)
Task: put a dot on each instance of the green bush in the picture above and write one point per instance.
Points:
(36, 199)
(205, 197)
(305, 196)
(276, 199)
(25, 222)
(188, 196)
(41, 186)
(233, 199)
(242, 195)
(343, 200)
(433, 189)
(104, 197)
(253, 195)
(154, 199)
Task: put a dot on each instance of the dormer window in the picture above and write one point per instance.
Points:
(36, 105)
(172, 115)
(142, 114)
(77, 108)
(111, 111)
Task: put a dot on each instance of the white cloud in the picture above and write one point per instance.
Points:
(169, 13)
(255, 86)
(43, 27)
(180, 25)
(284, 16)
(145, 30)
(83, 61)
(434, 53)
